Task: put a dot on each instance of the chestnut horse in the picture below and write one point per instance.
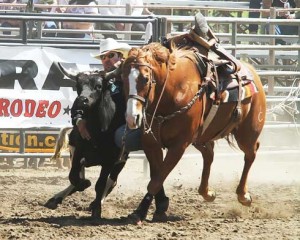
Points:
(169, 99)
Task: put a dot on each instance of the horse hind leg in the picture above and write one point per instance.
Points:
(207, 152)
(243, 195)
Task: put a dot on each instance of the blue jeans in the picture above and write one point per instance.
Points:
(132, 138)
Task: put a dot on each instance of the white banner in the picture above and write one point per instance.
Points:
(33, 90)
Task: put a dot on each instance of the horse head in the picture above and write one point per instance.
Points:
(142, 70)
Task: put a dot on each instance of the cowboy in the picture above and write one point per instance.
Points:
(111, 54)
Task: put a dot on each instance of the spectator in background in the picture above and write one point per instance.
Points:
(90, 9)
(285, 29)
(8, 22)
(52, 24)
(136, 11)
(254, 4)
(295, 15)
(281, 29)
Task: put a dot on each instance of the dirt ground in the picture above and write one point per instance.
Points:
(274, 183)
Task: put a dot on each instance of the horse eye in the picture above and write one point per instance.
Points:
(144, 80)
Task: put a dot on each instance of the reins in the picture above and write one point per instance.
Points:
(161, 119)
(156, 107)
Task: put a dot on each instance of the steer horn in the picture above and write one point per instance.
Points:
(70, 73)
(114, 73)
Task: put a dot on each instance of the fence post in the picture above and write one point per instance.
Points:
(128, 25)
(298, 63)
(233, 40)
(271, 81)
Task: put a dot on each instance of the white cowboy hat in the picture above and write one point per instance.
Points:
(110, 44)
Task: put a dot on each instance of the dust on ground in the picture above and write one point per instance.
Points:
(274, 183)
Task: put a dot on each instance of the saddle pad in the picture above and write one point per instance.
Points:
(231, 95)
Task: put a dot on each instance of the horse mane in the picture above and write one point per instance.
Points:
(179, 52)
(162, 54)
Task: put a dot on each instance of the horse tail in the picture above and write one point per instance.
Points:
(61, 143)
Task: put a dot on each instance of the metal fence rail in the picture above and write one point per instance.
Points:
(239, 43)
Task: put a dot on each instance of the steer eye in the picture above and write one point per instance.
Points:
(98, 87)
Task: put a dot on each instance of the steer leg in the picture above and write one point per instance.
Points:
(53, 202)
(95, 206)
(112, 180)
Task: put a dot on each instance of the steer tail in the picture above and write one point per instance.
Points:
(61, 143)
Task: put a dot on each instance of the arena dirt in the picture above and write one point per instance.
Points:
(274, 183)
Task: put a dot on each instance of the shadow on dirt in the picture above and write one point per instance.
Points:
(65, 221)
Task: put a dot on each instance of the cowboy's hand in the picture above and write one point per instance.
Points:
(81, 125)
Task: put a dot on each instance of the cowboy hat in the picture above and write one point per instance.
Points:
(110, 44)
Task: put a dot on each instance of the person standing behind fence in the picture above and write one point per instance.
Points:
(90, 9)
(254, 4)
(283, 4)
(9, 23)
(117, 12)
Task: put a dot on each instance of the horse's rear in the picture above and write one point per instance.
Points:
(246, 129)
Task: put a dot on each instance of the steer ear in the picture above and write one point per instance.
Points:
(70, 73)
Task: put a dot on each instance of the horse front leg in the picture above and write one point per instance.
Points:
(159, 170)
(207, 152)
(162, 205)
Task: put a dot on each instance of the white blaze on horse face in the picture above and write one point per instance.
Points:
(133, 114)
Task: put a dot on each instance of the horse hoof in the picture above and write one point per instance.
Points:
(245, 199)
(210, 196)
(52, 203)
(160, 217)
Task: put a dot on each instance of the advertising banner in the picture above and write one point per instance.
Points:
(34, 93)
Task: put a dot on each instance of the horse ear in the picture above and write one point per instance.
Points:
(133, 52)
(70, 73)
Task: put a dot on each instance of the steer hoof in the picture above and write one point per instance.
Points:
(245, 199)
(52, 203)
(83, 184)
(95, 209)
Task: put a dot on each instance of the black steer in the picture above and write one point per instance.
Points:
(100, 102)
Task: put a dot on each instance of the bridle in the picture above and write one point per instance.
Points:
(143, 100)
